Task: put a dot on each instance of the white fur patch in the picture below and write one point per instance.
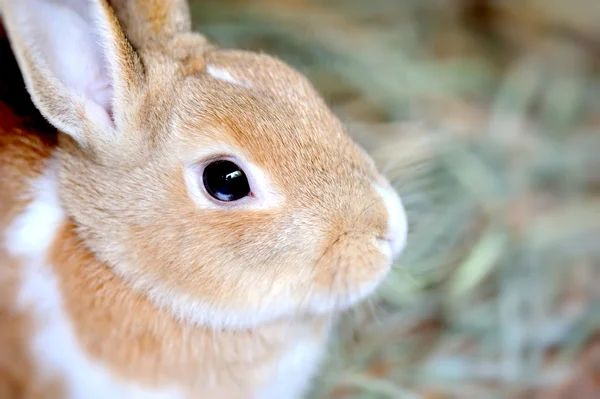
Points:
(31, 233)
(224, 75)
(295, 371)
(54, 346)
(397, 222)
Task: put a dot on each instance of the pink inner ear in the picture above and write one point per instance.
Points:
(101, 92)
(71, 44)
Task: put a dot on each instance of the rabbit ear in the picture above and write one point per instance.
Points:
(152, 22)
(78, 67)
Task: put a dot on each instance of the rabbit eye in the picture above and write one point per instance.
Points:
(225, 181)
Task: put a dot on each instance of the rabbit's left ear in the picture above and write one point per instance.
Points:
(78, 66)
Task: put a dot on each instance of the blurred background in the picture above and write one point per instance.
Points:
(485, 114)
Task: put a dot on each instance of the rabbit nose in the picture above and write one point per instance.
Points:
(397, 225)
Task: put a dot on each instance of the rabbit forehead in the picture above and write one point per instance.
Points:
(287, 130)
(256, 102)
(260, 71)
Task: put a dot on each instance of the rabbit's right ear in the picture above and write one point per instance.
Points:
(78, 66)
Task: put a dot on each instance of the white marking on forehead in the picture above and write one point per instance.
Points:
(397, 223)
(224, 75)
(54, 345)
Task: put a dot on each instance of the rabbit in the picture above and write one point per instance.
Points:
(178, 220)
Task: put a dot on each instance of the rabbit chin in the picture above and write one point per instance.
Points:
(262, 311)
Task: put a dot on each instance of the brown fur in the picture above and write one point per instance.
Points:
(134, 236)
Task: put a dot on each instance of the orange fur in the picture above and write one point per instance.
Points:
(152, 347)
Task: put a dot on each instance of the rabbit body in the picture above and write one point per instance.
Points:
(120, 277)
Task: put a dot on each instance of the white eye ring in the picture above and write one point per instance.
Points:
(262, 193)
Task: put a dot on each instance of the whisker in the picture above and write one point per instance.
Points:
(364, 211)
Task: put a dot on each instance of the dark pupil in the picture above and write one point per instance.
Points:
(225, 181)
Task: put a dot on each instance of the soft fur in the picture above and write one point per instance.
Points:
(112, 250)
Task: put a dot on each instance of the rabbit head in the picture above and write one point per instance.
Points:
(216, 182)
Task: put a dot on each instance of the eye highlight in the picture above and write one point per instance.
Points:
(225, 181)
